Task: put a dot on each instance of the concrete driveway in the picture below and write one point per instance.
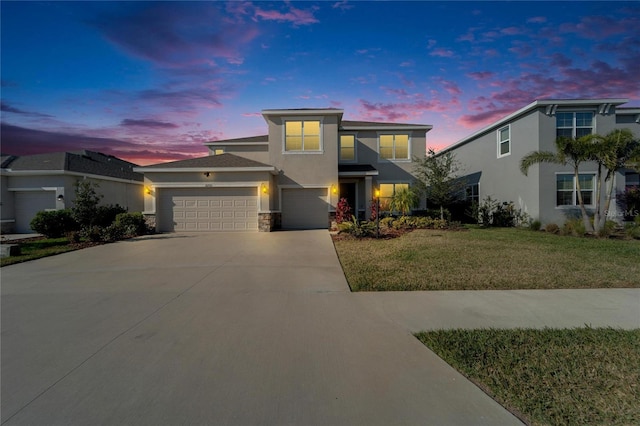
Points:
(236, 329)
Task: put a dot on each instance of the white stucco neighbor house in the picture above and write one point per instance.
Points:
(290, 178)
(32, 183)
(491, 156)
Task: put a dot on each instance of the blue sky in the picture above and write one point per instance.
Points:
(151, 81)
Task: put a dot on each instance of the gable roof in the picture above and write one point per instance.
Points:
(221, 162)
(262, 139)
(82, 162)
(604, 105)
(376, 125)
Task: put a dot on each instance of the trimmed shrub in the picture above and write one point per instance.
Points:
(54, 223)
(343, 211)
(111, 233)
(535, 225)
(574, 227)
(106, 215)
(358, 228)
(552, 228)
(132, 224)
(387, 222)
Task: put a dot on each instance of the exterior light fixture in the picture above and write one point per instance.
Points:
(60, 197)
(147, 190)
(265, 188)
(334, 189)
(207, 174)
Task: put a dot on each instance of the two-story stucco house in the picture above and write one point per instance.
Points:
(492, 156)
(290, 178)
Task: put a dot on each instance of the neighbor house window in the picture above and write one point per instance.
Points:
(347, 147)
(218, 151)
(387, 191)
(567, 189)
(631, 180)
(394, 147)
(574, 124)
(504, 141)
(473, 193)
(302, 136)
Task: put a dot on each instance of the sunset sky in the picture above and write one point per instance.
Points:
(151, 81)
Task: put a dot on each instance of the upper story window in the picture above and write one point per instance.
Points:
(302, 136)
(574, 124)
(347, 148)
(394, 147)
(567, 189)
(504, 141)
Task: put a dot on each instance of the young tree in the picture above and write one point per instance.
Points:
(85, 207)
(438, 178)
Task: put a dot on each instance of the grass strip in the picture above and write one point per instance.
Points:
(583, 376)
(36, 249)
(483, 259)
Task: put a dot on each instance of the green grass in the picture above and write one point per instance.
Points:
(551, 377)
(483, 259)
(37, 249)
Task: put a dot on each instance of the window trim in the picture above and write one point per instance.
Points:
(574, 126)
(355, 149)
(574, 196)
(319, 119)
(500, 142)
(394, 159)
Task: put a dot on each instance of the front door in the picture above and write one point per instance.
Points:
(348, 191)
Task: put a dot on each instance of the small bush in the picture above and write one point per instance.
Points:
(552, 228)
(574, 227)
(387, 222)
(53, 223)
(92, 233)
(535, 225)
(73, 236)
(111, 233)
(632, 230)
(343, 211)
(358, 228)
(132, 224)
(106, 215)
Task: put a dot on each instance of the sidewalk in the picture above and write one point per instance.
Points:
(422, 310)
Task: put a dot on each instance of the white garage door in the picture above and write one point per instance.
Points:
(208, 209)
(305, 208)
(28, 203)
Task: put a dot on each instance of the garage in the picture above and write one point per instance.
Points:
(28, 204)
(305, 208)
(207, 209)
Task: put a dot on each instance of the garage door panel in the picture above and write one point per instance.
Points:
(28, 204)
(305, 208)
(208, 209)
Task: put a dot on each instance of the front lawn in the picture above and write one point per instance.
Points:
(483, 259)
(550, 377)
(41, 247)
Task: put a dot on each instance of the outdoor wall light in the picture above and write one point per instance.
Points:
(147, 190)
(377, 193)
(334, 189)
(207, 174)
(265, 188)
(60, 197)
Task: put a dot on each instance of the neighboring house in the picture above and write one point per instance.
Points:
(290, 178)
(492, 156)
(32, 183)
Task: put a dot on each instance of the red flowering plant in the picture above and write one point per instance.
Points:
(343, 211)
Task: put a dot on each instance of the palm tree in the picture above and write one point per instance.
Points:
(614, 151)
(404, 200)
(568, 152)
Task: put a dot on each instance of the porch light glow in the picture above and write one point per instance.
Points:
(334, 189)
(377, 193)
(147, 190)
(265, 188)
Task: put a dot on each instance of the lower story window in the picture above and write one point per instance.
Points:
(473, 193)
(387, 191)
(567, 189)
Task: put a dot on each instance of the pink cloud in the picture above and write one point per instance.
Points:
(512, 31)
(443, 53)
(295, 16)
(342, 5)
(481, 75)
(537, 20)
(402, 111)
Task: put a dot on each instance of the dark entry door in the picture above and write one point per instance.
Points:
(348, 191)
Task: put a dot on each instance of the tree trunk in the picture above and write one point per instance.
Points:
(441, 212)
(597, 215)
(588, 227)
(607, 202)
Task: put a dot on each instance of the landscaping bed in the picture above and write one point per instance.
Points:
(39, 247)
(581, 376)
